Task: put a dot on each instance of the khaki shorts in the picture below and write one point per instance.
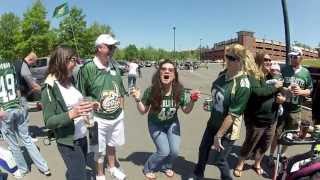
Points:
(288, 121)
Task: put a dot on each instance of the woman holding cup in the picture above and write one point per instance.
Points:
(64, 109)
(161, 101)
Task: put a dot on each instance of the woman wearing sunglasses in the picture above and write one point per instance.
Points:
(261, 115)
(230, 93)
(161, 101)
(63, 112)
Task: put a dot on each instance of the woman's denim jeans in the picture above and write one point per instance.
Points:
(167, 140)
(15, 131)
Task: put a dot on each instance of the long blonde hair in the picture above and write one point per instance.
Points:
(246, 59)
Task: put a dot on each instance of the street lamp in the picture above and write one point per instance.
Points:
(200, 50)
(174, 43)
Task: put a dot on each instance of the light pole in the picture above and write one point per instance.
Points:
(200, 50)
(286, 28)
(174, 43)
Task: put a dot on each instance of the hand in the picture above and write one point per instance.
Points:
(3, 115)
(278, 84)
(194, 95)
(280, 99)
(135, 93)
(296, 90)
(217, 145)
(80, 109)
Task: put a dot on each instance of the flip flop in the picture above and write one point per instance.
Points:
(150, 175)
(169, 172)
(259, 171)
(237, 172)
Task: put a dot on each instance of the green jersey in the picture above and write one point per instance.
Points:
(230, 96)
(168, 112)
(300, 77)
(8, 87)
(103, 85)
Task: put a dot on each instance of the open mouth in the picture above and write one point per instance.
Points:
(166, 77)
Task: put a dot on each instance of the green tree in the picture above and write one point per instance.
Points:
(34, 33)
(131, 52)
(72, 31)
(119, 54)
(9, 33)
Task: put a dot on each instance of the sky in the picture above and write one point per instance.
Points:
(150, 23)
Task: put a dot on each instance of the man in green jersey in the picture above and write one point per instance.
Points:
(100, 79)
(14, 126)
(298, 83)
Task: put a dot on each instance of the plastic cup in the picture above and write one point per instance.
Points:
(207, 104)
(88, 117)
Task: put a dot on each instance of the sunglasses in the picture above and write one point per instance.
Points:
(111, 47)
(167, 69)
(74, 60)
(294, 56)
(231, 58)
(267, 60)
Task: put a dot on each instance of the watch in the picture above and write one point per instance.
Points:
(138, 100)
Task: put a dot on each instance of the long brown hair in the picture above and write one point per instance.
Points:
(59, 60)
(157, 89)
(259, 59)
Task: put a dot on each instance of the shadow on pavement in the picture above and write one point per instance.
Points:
(182, 166)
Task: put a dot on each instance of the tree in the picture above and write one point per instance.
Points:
(34, 33)
(131, 52)
(72, 31)
(9, 33)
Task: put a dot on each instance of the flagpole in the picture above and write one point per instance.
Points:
(74, 38)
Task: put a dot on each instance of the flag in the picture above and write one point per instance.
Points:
(61, 10)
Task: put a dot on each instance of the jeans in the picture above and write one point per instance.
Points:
(220, 157)
(75, 159)
(15, 129)
(167, 140)
(132, 81)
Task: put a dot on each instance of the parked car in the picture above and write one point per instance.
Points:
(147, 64)
(39, 69)
(122, 66)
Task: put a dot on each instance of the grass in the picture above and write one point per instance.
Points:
(311, 62)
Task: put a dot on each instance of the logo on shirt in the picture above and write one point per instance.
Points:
(110, 99)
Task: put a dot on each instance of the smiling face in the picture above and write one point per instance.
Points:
(167, 73)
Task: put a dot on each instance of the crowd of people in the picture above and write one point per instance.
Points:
(250, 89)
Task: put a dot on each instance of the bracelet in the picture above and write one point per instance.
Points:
(138, 100)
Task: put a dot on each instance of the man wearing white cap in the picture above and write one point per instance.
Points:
(298, 82)
(101, 80)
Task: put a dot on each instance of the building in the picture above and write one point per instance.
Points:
(276, 49)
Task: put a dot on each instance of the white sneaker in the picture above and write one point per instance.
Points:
(34, 140)
(18, 174)
(117, 174)
(100, 177)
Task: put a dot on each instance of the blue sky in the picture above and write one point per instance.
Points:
(149, 22)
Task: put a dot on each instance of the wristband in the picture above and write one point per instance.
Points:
(138, 100)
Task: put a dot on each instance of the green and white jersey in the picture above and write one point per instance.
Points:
(302, 78)
(168, 112)
(8, 87)
(103, 84)
(230, 96)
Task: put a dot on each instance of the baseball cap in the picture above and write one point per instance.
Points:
(275, 66)
(106, 39)
(296, 51)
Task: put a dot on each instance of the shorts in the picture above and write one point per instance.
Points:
(288, 121)
(110, 132)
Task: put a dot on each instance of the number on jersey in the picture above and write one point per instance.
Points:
(7, 88)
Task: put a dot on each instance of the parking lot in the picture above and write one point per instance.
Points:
(139, 145)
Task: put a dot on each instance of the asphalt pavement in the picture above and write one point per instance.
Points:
(139, 145)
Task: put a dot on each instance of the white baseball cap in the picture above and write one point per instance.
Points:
(106, 39)
(296, 51)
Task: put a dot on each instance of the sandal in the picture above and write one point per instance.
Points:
(237, 172)
(169, 172)
(150, 175)
(259, 170)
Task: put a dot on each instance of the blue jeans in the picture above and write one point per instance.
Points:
(14, 130)
(219, 157)
(75, 159)
(167, 140)
(132, 81)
